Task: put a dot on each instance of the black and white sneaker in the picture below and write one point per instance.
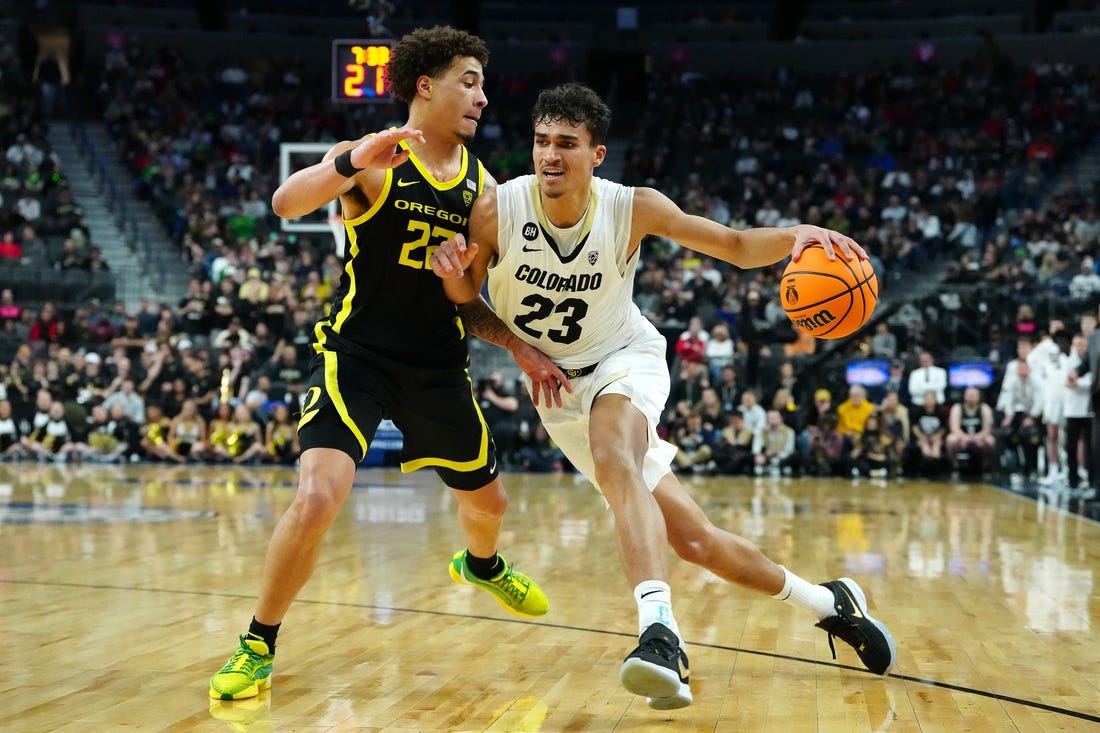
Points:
(854, 626)
(658, 670)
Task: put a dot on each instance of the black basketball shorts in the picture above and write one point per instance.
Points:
(435, 410)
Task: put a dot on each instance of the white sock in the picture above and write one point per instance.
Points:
(817, 599)
(654, 599)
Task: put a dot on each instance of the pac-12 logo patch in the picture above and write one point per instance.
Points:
(530, 231)
(467, 197)
(593, 256)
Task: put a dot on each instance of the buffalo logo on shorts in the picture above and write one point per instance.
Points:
(467, 197)
(791, 296)
(530, 231)
(593, 256)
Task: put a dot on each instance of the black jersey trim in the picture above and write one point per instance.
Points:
(544, 223)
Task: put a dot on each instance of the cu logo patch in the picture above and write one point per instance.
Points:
(530, 231)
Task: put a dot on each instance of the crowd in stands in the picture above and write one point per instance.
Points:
(938, 174)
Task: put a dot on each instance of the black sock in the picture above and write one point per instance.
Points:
(484, 568)
(265, 632)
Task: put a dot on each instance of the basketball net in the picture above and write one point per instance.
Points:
(336, 225)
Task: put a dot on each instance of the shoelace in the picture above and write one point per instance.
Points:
(849, 626)
(245, 660)
(662, 649)
(511, 585)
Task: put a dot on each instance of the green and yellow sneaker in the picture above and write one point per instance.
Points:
(246, 673)
(513, 590)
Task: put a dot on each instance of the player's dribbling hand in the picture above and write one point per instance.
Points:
(381, 151)
(546, 377)
(452, 257)
(807, 235)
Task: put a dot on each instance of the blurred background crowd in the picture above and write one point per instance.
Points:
(154, 309)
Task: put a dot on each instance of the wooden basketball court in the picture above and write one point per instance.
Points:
(122, 589)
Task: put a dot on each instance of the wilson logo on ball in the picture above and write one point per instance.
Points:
(818, 320)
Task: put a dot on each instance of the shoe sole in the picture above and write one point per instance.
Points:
(858, 593)
(681, 699)
(246, 693)
(648, 680)
(461, 580)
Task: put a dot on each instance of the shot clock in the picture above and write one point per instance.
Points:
(359, 70)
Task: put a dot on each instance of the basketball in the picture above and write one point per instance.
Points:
(828, 299)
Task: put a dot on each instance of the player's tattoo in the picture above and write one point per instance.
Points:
(480, 320)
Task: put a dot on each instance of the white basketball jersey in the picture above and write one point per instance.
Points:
(568, 292)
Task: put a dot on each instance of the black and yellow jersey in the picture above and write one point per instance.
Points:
(389, 301)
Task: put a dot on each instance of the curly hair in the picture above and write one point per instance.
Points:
(429, 52)
(576, 104)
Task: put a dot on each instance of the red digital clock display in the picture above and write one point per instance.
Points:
(359, 70)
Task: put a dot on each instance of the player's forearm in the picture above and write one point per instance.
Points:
(307, 190)
(762, 246)
(480, 320)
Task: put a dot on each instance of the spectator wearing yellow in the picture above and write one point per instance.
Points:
(852, 413)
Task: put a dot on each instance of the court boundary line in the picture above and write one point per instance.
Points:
(1080, 715)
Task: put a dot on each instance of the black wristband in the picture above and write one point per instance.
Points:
(344, 166)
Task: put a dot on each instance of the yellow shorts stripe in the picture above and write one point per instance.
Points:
(462, 466)
(332, 386)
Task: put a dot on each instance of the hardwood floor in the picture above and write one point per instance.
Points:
(122, 589)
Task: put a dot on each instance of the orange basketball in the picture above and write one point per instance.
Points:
(828, 299)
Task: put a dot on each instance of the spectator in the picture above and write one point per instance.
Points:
(970, 433)
(774, 447)
(52, 440)
(852, 413)
(872, 453)
(928, 377)
(1077, 411)
(756, 418)
(281, 436)
(928, 428)
(693, 445)
(884, 344)
(827, 455)
(9, 309)
(732, 448)
(10, 249)
(728, 389)
(1020, 405)
(154, 439)
(720, 351)
(11, 444)
(498, 406)
(132, 402)
(187, 434)
(692, 344)
(813, 422)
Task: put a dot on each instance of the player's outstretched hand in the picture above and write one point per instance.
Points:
(807, 235)
(380, 150)
(547, 379)
(452, 257)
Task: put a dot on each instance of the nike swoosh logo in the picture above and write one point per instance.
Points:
(649, 593)
(531, 249)
(856, 613)
(402, 184)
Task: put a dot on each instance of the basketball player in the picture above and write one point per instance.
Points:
(559, 249)
(392, 345)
